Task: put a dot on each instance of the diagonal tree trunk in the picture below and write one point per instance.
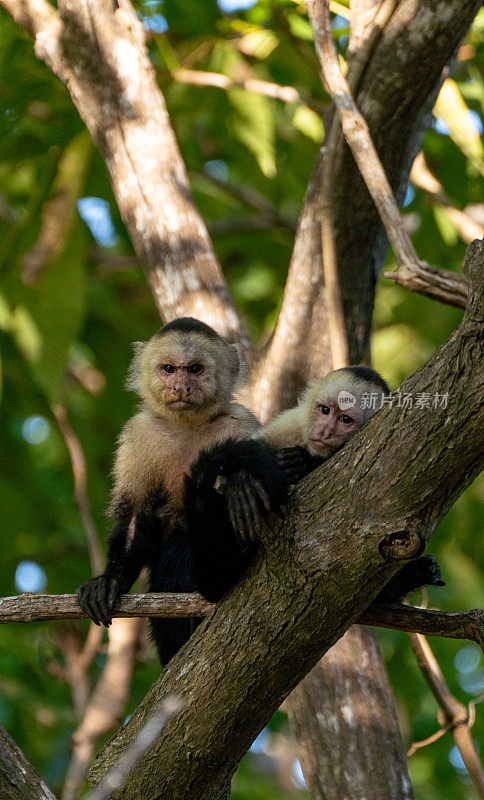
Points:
(395, 107)
(315, 572)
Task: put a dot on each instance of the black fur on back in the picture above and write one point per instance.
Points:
(188, 325)
(370, 375)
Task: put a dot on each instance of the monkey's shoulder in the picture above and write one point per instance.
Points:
(241, 422)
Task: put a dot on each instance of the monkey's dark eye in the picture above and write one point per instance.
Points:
(346, 419)
(168, 369)
(324, 409)
(195, 369)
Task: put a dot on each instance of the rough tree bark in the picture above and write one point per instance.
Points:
(98, 51)
(390, 92)
(18, 779)
(316, 571)
(181, 269)
(395, 94)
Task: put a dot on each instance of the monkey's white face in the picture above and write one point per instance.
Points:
(182, 384)
(330, 427)
(183, 375)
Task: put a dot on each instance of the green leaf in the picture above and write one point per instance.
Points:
(253, 126)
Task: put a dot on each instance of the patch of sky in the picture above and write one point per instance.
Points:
(30, 577)
(297, 775)
(441, 126)
(467, 659)
(457, 762)
(97, 216)
(155, 23)
(35, 429)
(476, 119)
(410, 194)
(339, 22)
(216, 169)
(235, 5)
(260, 744)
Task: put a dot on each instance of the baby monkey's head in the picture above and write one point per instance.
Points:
(337, 406)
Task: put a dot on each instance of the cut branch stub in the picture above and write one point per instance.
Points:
(402, 545)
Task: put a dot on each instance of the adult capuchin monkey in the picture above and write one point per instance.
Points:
(185, 375)
(234, 485)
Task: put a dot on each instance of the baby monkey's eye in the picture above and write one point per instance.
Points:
(195, 369)
(346, 419)
(168, 369)
(324, 409)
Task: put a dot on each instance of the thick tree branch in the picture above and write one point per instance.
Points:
(37, 608)
(451, 624)
(117, 776)
(97, 49)
(412, 273)
(396, 110)
(317, 571)
(18, 779)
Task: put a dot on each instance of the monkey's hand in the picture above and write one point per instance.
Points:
(296, 463)
(97, 598)
(247, 503)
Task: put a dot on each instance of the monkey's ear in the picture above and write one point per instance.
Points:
(237, 364)
(134, 369)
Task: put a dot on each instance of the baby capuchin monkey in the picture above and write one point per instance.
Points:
(185, 376)
(234, 485)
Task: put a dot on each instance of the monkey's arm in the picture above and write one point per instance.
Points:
(249, 476)
(129, 547)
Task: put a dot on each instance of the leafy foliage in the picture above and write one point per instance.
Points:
(72, 302)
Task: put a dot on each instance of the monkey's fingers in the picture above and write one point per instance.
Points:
(85, 596)
(106, 591)
(236, 517)
(258, 491)
(250, 511)
(97, 601)
(293, 463)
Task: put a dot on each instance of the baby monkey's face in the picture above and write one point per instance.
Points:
(331, 426)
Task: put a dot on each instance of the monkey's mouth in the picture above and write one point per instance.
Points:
(322, 448)
(180, 405)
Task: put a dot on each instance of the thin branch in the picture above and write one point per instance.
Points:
(247, 195)
(230, 225)
(338, 337)
(195, 77)
(456, 715)
(429, 740)
(147, 736)
(79, 472)
(453, 624)
(414, 274)
(35, 608)
(43, 607)
(468, 228)
(336, 320)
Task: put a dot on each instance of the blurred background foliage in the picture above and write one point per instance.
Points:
(73, 298)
